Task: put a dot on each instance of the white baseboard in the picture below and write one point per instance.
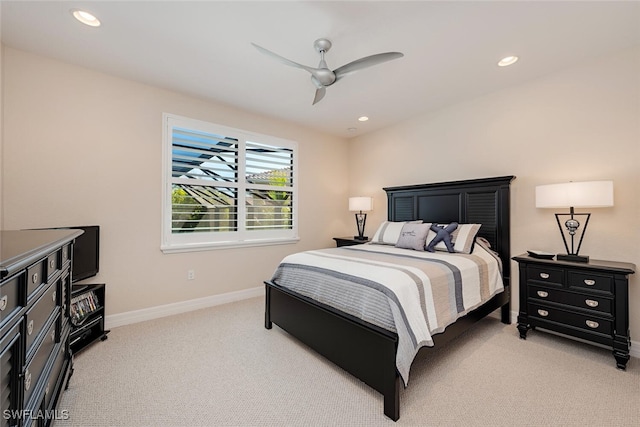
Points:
(635, 349)
(130, 317)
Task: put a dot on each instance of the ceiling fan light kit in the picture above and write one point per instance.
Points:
(323, 77)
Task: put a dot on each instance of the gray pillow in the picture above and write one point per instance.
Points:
(413, 236)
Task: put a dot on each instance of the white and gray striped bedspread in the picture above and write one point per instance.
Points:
(415, 294)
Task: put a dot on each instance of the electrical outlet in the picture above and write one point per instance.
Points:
(191, 274)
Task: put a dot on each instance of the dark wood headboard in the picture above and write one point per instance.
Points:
(477, 201)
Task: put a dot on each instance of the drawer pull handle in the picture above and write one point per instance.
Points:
(543, 313)
(53, 335)
(544, 275)
(53, 296)
(30, 327)
(591, 303)
(34, 278)
(3, 302)
(589, 282)
(52, 263)
(543, 294)
(592, 324)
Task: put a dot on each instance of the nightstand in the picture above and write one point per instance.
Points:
(589, 301)
(349, 241)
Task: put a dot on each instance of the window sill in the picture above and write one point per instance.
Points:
(209, 246)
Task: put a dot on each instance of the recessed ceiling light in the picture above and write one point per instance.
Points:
(85, 17)
(363, 118)
(352, 129)
(507, 60)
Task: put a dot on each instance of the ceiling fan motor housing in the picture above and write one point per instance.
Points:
(322, 45)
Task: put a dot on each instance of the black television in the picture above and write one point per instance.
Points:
(86, 253)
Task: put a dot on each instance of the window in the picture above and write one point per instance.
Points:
(226, 187)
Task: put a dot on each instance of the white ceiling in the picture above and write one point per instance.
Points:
(203, 48)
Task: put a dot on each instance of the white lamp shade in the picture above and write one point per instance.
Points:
(589, 194)
(360, 203)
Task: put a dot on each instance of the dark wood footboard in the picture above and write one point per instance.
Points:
(362, 349)
(366, 351)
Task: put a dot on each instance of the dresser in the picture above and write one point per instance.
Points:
(589, 301)
(35, 280)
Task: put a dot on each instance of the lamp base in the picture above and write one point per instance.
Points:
(360, 237)
(572, 258)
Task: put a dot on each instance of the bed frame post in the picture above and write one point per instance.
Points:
(505, 310)
(267, 307)
(392, 398)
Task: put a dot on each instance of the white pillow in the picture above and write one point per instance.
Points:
(389, 232)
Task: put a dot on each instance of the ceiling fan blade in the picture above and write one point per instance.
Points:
(283, 59)
(319, 95)
(365, 62)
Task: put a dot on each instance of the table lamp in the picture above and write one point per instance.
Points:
(590, 194)
(360, 204)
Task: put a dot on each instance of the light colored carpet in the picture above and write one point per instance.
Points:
(220, 367)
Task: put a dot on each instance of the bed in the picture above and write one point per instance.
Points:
(369, 349)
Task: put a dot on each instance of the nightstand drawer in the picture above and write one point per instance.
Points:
(590, 281)
(545, 275)
(588, 302)
(582, 321)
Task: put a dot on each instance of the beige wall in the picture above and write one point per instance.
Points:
(81, 147)
(580, 124)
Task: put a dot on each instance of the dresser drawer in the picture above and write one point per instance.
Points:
(38, 314)
(37, 364)
(553, 276)
(11, 297)
(54, 263)
(36, 277)
(589, 281)
(583, 321)
(598, 303)
(65, 254)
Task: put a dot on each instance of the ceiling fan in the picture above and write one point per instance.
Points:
(322, 76)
